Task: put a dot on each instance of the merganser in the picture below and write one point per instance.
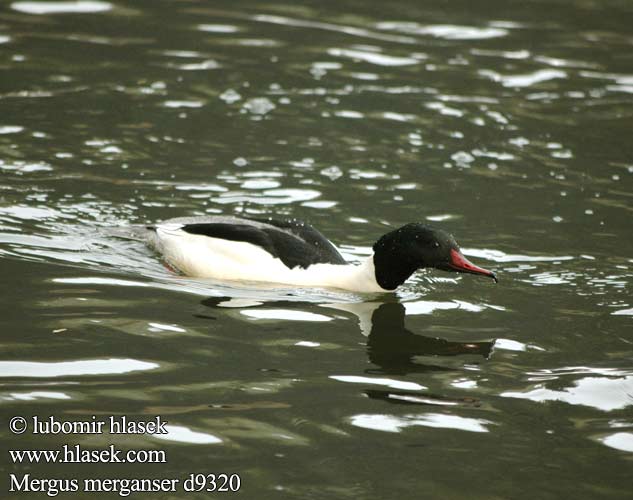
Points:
(292, 252)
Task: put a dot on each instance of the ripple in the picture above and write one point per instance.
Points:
(24, 212)
(506, 54)
(307, 343)
(347, 113)
(440, 217)
(269, 196)
(554, 373)
(159, 327)
(553, 278)
(622, 82)
(372, 57)
(514, 345)
(218, 28)
(393, 423)
(201, 187)
(338, 28)
(230, 96)
(10, 129)
(208, 64)
(78, 7)
(563, 63)
(393, 384)
(602, 393)
(284, 314)
(183, 434)
(259, 184)
(259, 106)
(445, 31)
(35, 395)
(623, 312)
(622, 441)
(24, 167)
(35, 369)
(183, 104)
(499, 256)
(320, 204)
(429, 306)
(445, 110)
(524, 80)
(119, 282)
(398, 117)
(255, 42)
(187, 54)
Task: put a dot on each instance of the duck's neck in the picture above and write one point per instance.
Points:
(356, 277)
(391, 273)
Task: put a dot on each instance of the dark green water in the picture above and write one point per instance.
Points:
(506, 123)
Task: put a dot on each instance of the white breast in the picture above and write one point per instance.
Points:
(204, 257)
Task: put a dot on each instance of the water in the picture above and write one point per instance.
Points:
(508, 126)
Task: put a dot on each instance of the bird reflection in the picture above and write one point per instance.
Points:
(392, 347)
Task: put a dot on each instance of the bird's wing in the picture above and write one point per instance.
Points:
(293, 242)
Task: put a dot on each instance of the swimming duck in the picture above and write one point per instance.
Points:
(292, 252)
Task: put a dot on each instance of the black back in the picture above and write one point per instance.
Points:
(292, 241)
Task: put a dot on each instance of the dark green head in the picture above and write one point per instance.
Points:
(398, 254)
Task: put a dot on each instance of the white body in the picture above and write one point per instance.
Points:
(205, 257)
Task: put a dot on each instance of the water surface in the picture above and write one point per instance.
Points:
(506, 124)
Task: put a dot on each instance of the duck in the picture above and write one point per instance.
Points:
(292, 252)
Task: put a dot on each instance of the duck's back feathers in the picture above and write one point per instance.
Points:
(294, 242)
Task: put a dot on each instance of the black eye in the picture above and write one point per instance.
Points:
(436, 244)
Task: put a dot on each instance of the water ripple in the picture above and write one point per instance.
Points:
(35, 369)
(393, 423)
(348, 30)
(75, 7)
(524, 80)
(372, 57)
(446, 31)
(606, 394)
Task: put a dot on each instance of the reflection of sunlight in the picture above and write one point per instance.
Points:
(510, 345)
(32, 396)
(446, 31)
(81, 6)
(464, 383)
(218, 28)
(285, 314)
(514, 345)
(623, 312)
(38, 369)
(393, 423)
(428, 306)
(499, 256)
(185, 435)
(603, 393)
(372, 57)
(524, 80)
(307, 343)
(620, 441)
(99, 281)
(394, 384)
(268, 196)
(21, 167)
(159, 327)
